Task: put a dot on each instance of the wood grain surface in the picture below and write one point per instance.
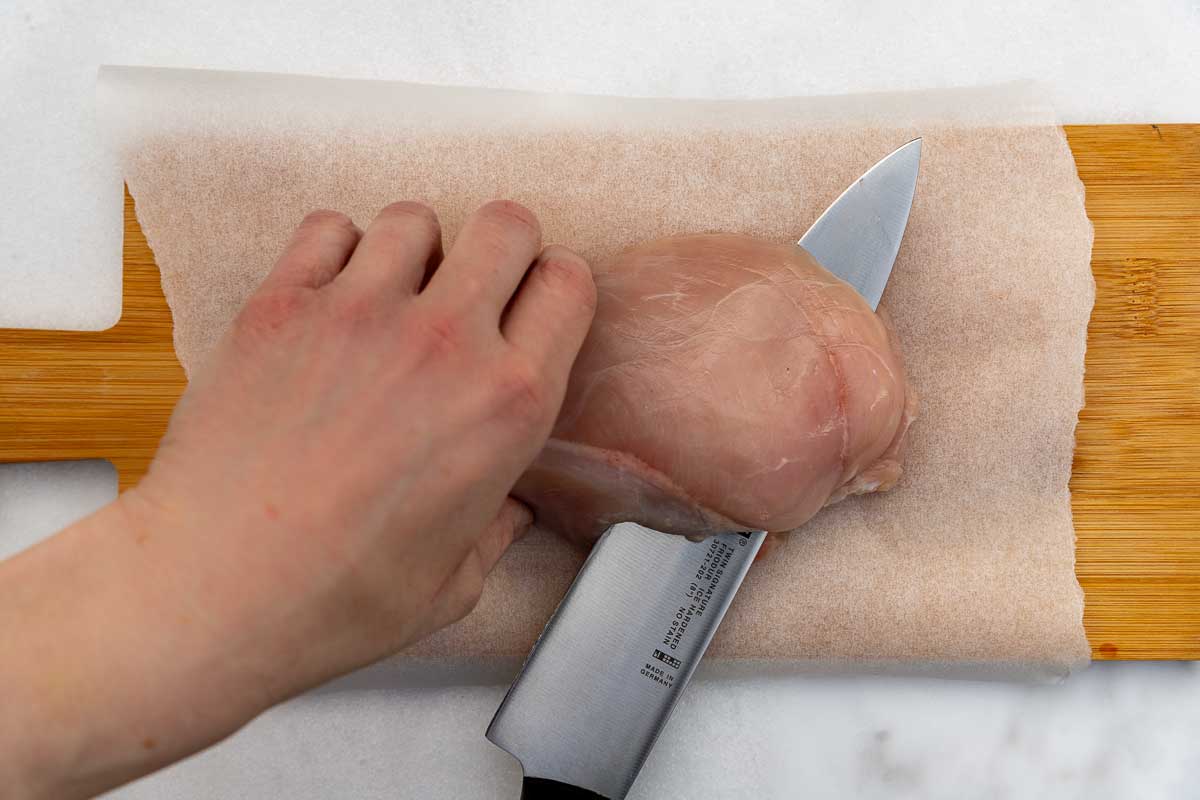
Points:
(67, 395)
(1136, 479)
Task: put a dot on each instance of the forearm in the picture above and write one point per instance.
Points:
(109, 670)
(332, 487)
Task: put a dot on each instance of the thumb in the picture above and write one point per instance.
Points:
(461, 592)
(510, 524)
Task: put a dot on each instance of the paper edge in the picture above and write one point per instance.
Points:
(123, 90)
(331, 102)
(1079, 190)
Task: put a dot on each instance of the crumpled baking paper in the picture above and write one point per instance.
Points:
(966, 567)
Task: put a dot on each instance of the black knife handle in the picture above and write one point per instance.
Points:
(545, 789)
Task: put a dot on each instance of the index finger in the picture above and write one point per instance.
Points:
(317, 251)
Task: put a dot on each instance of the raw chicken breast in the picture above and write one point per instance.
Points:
(728, 383)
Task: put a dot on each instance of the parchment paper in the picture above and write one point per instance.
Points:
(966, 567)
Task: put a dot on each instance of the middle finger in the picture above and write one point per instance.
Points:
(490, 256)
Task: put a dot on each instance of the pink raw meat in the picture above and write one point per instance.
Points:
(727, 383)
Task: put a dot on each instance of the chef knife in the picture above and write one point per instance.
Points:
(603, 678)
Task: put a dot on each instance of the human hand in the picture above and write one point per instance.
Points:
(333, 485)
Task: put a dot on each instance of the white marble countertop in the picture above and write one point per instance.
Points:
(1114, 731)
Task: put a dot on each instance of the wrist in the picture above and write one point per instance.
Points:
(206, 613)
(115, 672)
(249, 608)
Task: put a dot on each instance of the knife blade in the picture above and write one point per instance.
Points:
(858, 236)
(600, 683)
(614, 658)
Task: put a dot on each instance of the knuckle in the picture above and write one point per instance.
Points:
(352, 308)
(522, 394)
(512, 217)
(267, 312)
(565, 273)
(492, 247)
(440, 333)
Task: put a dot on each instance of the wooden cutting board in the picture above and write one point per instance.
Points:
(1136, 478)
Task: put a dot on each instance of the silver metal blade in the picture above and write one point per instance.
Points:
(603, 678)
(601, 681)
(857, 237)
